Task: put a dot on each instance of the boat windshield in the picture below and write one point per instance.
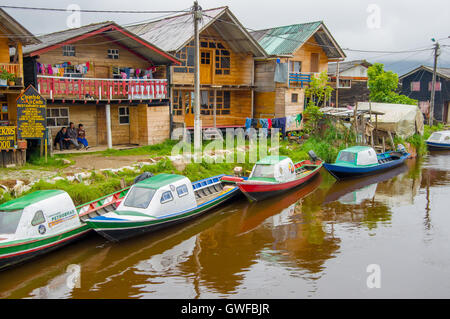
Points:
(139, 197)
(347, 157)
(435, 137)
(265, 171)
(9, 222)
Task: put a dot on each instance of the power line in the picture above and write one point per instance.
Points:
(95, 11)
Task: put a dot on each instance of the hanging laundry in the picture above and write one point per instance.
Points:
(270, 123)
(265, 125)
(248, 124)
(280, 123)
(298, 119)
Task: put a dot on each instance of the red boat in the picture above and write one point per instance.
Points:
(274, 175)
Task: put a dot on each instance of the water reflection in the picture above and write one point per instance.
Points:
(248, 249)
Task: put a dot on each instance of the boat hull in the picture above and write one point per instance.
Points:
(17, 253)
(261, 191)
(432, 146)
(345, 172)
(117, 230)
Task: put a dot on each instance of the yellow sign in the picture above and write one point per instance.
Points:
(31, 114)
(7, 137)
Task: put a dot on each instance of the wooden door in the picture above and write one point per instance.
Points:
(102, 72)
(314, 62)
(134, 125)
(101, 125)
(206, 66)
(188, 102)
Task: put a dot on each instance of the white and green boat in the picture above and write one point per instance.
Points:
(161, 201)
(45, 220)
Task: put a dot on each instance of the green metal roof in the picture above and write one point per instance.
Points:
(285, 40)
(356, 149)
(29, 199)
(270, 160)
(159, 180)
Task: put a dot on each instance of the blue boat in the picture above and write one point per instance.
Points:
(439, 141)
(360, 161)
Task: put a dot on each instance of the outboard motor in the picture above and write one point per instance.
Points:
(401, 148)
(313, 156)
(143, 176)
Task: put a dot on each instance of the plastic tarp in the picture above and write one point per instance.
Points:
(281, 73)
(401, 119)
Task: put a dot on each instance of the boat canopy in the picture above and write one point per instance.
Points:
(440, 137)
(358, 156)
(274, 168)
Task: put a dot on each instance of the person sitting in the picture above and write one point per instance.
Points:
(62, 139)
(82, 136)
(73, 135)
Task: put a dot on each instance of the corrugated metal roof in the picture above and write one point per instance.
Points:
(173, 33)
(285, 40)
(443, 72)
(115, 33)
(344, 66)
(15, 30)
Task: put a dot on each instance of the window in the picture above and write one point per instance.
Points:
(437, 86)
(9, 221)
(223, 102)
(3, 112)
(296, 66)
(415, 86)
(205, 58)
(264, 171)
(182, 190)
(139, 197)
(347, 157)
(71, 72)
(68, 50)
(166, 197)
(57, 117)
(223, 61)
(38, 218)
(177, 103)
(183, 102)
(186, 55)
(436, 137)
(294, 98)
(113, 54)
(345, 84)
(124, 115)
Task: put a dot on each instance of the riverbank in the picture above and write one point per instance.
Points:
(86, 177)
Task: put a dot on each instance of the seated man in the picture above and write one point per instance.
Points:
(82, 136)
(62, 139)
(73, 135)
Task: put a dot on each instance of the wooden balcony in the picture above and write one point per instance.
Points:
(299, 79)
(65, 88)
(13, 68)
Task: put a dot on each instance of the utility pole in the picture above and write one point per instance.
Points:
(433, 83)
(197, 14)
(337, 84)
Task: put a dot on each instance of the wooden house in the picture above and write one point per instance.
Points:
(105, 77)
(13, 36)
(227, 53)
(353, 86)
(417, 85)
(295, 53)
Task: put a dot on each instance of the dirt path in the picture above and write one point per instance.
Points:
(90, 162)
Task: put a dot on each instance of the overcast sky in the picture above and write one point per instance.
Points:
(391, 25)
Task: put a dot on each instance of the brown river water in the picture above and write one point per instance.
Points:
(316, 241)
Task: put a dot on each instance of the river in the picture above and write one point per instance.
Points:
(320, 241)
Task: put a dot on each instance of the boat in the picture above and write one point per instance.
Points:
(358, 161)
(274, 175)
(161, 201)
(439, 141)
(45, 220)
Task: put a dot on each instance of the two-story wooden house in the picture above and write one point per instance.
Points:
(296, 52)
(13, 36)
(352, 87)
(105, 77)
(417, 85)
(227, 53)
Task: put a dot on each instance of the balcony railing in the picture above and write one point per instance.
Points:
(13, 68)
(299, 79)
(55, 87)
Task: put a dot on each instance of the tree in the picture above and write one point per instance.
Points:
(382, 86)
(319, 90)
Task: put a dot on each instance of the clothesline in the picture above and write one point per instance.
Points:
(278, 122)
